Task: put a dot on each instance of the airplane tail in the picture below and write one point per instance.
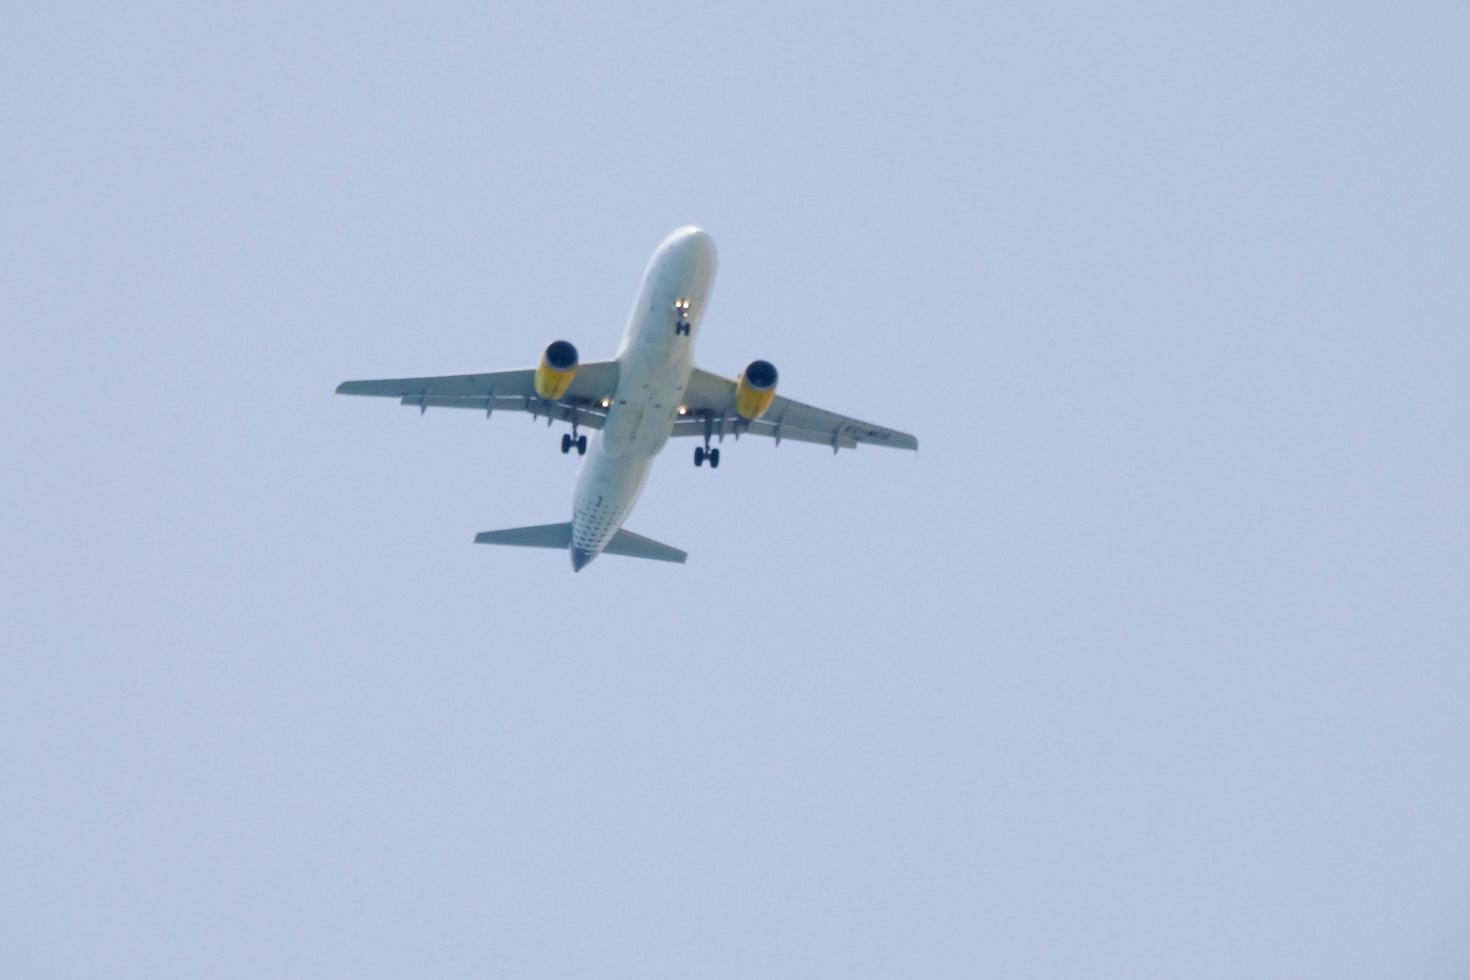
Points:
(560, 536)
(637, 546)
(540, 536)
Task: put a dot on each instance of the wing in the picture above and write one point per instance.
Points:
(513, 391)
(710, 400)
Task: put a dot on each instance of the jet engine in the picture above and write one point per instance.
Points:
(756, 390)
(558, 367)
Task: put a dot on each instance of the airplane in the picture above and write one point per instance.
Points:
(651, 391)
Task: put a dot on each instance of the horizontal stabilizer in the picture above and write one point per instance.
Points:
(637, 546)
(540, 536)
(624, 543)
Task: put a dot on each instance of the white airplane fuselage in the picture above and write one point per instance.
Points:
(634, 403)
(654, 363)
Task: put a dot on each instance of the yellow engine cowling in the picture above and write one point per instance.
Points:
(756, 390)
(554, 374)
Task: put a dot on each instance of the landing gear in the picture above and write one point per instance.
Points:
(681, 317)
(702, 453)
(568, 440)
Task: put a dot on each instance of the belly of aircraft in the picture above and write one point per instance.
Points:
(606, 493)
(642, 416)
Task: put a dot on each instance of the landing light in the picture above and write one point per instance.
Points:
(606, 402)
(683, 409)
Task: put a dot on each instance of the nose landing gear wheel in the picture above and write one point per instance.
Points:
(566, 443)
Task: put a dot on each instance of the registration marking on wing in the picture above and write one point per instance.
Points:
(857, 432)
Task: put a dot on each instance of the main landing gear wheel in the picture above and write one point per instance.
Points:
(698, 455)
(581, 445)
(566, 443)
(701, 454)
(714, 458)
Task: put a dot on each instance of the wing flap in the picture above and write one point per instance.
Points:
(588, 414)
(511, 390)
(761, 427)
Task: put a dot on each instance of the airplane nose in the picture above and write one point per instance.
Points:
(700, 242)
(695, 243)
(580, 558)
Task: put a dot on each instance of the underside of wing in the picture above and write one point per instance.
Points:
(710, 404)
(513, 391)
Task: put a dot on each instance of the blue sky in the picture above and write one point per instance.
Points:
(1152, 663)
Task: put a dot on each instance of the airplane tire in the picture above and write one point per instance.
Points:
(566, 442)
(699, 456)
(714, 458)
(581, 445)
